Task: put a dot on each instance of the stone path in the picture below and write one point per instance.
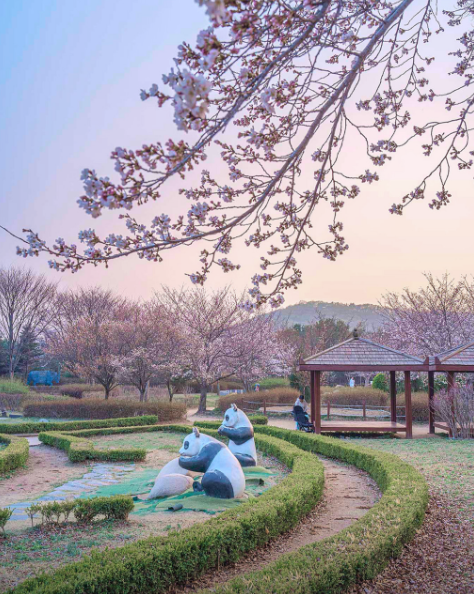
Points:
(99, 475)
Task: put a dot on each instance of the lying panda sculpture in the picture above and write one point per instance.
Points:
(223, 475)
(238, 428)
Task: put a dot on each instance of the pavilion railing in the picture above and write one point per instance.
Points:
(330, 409)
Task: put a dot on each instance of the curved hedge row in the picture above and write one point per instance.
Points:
(155, 564)
(15, 428)
(254, 419)
(15, 454)
(360, 551)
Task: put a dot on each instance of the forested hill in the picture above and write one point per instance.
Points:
(306, 312)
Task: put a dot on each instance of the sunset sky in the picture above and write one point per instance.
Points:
(71, 74)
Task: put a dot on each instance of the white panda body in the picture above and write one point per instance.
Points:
(223, 476)
(238, 428)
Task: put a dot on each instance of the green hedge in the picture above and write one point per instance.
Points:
(79, 449)
(15, 454)
(16, 428)
(155, 564)
(359, 552)
(254, 419)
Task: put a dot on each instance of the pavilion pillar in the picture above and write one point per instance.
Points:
(316, 409)
(431, 394)
(451, 380)
(393, 397)
(408, 411)
(313, 397)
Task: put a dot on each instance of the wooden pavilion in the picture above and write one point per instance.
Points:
(359, 354)
(457, 360)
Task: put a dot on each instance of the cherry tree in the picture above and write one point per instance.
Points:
(437, 317)
(270, 90)
(88, 336)
(210, 323)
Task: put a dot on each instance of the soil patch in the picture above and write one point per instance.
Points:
(348, 494)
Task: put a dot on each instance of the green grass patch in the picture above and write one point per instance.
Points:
(8, 386)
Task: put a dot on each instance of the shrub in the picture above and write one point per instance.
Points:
(273, 382)
(274, 396)
(15, 454)
(254, 419)
(380, 382)
(89, 408)
(77, 425)
(456, 408)
(5, 515)
(357, 395)
(14, 386)
(13, 402)
(79, 449)
(75, 393)
(116, 507)
(157, 563)
(359, 552)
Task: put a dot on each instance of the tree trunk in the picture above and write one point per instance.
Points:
(107, 392)
(202, 400)
(170, 390)
(218, 389)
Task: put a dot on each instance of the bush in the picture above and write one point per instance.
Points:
(8, 386)
(254, 419)
(79, 449)
(89, 408)
(357, 395)
(75, 393)
(359, 552)
(419, 406)
(274, 396)
(157, 563)
(380, 382)
(116, 507)
(273, 382)
(77, 425)
(14, 402)
(15, 454)
(5, 515)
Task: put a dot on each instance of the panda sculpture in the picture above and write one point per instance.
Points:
(238, 428)
(223, 476)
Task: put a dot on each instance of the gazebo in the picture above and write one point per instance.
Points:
(457, 360)
(359, 354)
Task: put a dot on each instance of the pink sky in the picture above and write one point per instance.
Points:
(71, 94)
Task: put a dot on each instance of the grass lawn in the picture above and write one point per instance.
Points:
(440, 560)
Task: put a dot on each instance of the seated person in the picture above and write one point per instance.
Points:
(300, 401)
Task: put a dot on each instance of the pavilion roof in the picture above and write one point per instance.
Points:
(359, 352)
(459, 356)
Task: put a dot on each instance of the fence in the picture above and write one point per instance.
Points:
(330, 408)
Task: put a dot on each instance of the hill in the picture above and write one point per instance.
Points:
(305, 312)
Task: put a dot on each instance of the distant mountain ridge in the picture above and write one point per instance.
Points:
(306, 312)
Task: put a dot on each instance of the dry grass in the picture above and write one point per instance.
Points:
(281, 395)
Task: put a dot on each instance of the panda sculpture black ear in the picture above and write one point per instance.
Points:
(234, 407)
(196, 432)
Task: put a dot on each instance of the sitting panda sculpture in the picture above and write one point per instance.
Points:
(223, 476)
(238, 428)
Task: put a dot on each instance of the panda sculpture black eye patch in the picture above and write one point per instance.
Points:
(239, 435)
(202, 461)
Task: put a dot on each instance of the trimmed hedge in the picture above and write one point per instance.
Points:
(15, 454)
(254, 419)
(93, 408)
(329, 566)
(362, 550)
(79, 449)
(73, 425)
(157, 563)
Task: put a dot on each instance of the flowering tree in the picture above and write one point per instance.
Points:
(301, 81)
(89, 337)
(456, 408)
(211, 325)
(438, 317)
